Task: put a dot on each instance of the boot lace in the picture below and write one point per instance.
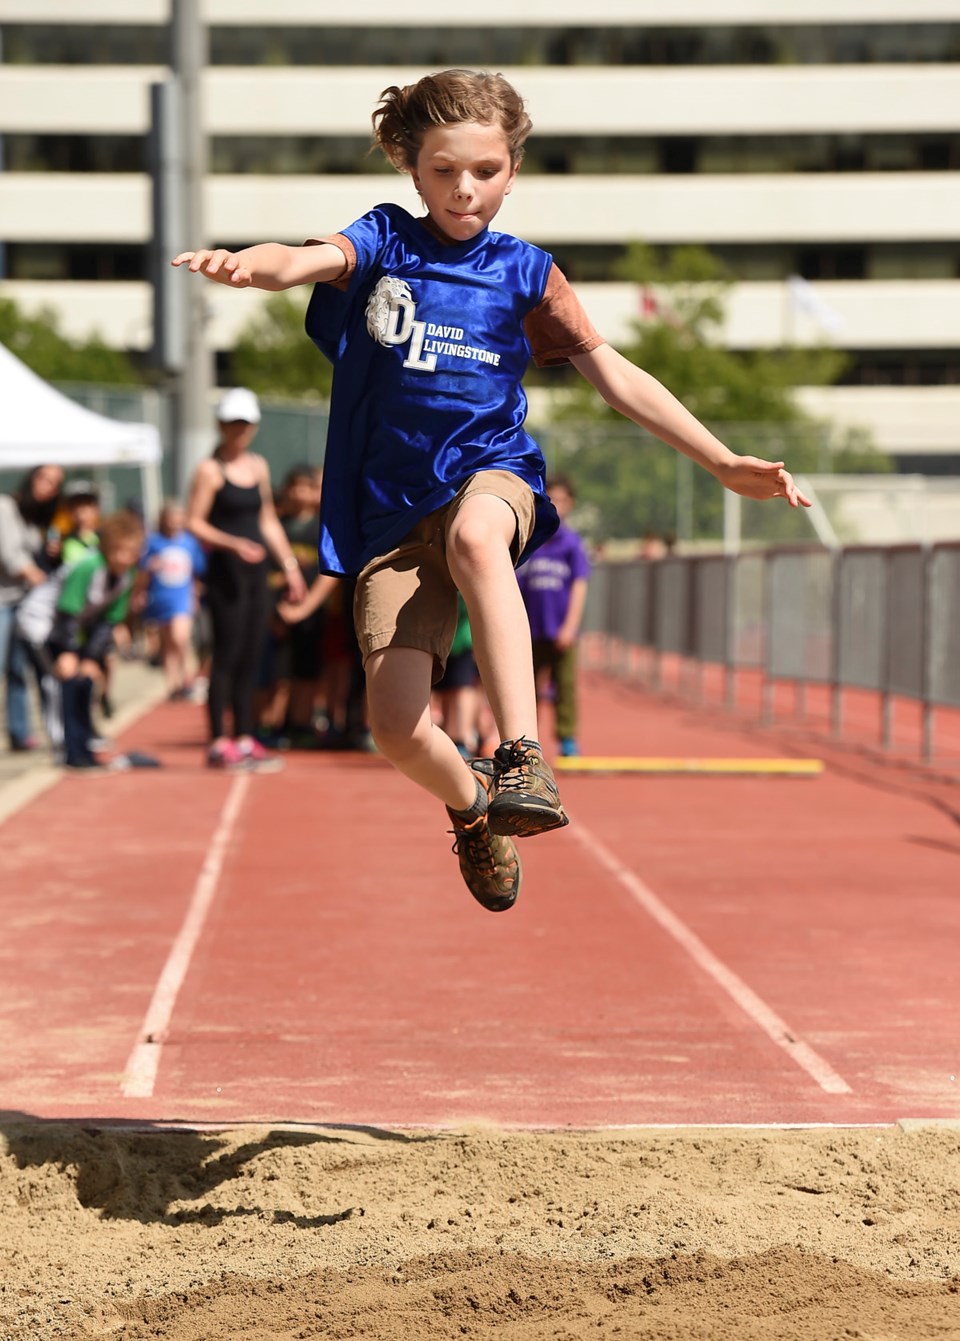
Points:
(476, 846)
(515, 772)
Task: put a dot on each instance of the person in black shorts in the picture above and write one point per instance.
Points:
(231, 512)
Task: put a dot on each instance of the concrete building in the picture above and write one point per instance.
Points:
(795, 138)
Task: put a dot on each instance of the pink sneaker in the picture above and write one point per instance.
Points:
(256, 758)
(225, 755)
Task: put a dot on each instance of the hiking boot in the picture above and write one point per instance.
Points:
(489, 863)
(525, 799)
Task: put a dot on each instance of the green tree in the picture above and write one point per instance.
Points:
(273, 355)
(635, 484)
(38, 341)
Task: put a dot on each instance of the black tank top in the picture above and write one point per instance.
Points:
(236, 509)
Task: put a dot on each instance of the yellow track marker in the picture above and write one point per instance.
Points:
(744, 767)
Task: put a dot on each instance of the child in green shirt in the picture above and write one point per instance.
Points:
(70, 622)
(83, 505)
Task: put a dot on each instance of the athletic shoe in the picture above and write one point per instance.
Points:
(525, 798)
(256, 759)
(86, 767)
(225, 755)
(489, 864)
(26, 746)
(568, 748)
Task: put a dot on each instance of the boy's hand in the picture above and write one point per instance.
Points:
(221, 266)
(754, 478)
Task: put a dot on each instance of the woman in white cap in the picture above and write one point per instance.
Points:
(231, 512)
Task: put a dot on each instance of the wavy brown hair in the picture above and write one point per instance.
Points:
(120, 526)
(447, 99)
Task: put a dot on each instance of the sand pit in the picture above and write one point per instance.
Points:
(269, 1235)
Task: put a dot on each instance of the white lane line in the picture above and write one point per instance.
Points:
(144, 1061)
(745, 997)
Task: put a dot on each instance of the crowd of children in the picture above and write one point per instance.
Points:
(107, 583)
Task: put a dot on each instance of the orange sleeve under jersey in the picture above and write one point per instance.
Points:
(558, 326)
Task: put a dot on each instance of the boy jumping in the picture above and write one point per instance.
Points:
(431, 484)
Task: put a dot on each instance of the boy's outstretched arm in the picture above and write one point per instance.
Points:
(268, 265)
(647, 402)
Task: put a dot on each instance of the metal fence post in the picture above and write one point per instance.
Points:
(836, 688)
(927, 644)
(886, 693)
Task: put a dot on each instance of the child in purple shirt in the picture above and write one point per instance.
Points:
(553, 584)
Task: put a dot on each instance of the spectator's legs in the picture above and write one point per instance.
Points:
(226, 617)
(15, 659)
(544, 657)
(256, 612)
(565, 682)
(77, 695)
(175, 645)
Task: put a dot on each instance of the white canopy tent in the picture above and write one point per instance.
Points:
(40, 425)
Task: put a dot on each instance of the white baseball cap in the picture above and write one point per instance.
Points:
(238, 404)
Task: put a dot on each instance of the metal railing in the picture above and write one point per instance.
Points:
(884, 619)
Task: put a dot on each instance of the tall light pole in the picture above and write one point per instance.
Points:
(189, 55)
(3, 245)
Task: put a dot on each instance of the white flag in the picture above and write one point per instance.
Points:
(806, 300)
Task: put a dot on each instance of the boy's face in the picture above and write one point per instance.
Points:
(120, 555)
(463, 173)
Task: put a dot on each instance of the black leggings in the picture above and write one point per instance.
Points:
(239, 608)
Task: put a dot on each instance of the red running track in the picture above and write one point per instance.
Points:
(300, 948)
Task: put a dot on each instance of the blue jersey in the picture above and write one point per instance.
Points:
(428, 347)
(172, 563)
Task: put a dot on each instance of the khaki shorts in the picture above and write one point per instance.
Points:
(407, 598)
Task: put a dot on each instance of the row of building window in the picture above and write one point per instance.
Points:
(786, 44)
(293, 155)
(585, 263)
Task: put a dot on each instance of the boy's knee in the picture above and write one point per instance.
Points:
(397, 736)
(476, 542)
(399, 729)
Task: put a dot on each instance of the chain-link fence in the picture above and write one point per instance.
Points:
(880, 619)
(289, 434)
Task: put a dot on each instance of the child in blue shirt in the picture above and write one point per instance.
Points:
(431, 482)
(173, 562)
